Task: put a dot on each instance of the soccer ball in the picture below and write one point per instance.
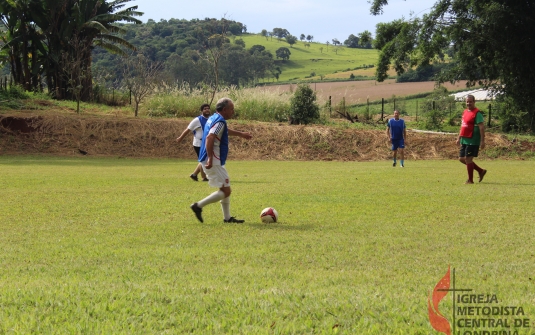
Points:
(269, 215)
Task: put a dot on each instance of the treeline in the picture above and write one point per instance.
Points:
(49, 42)
(186, 51)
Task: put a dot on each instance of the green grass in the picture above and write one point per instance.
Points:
(303, 60)
(110, 246)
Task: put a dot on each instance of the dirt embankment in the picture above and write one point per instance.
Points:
(73, 135)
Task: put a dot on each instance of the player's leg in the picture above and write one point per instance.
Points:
(401, 150)
(199, 166)
(395, 145)
(225, 207)
(217, 179)
(470, 169)
(462, 154)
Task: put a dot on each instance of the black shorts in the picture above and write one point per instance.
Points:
(469, 150)
(197, 150)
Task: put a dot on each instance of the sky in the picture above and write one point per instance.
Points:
(323, 19)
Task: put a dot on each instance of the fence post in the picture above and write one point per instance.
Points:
(490, 115)
(382, 108)
(416, 110)
(368, 106)
(330, 104)
(394, 103)
(130, 96)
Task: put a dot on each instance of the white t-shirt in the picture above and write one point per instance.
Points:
(196, 129)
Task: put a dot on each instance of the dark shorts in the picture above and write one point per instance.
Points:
(469, 150)
(197, 150)
(398, 144)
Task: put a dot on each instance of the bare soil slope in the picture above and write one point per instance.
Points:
(74, 135)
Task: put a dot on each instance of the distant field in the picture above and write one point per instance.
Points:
(303, 60)
(358, 91)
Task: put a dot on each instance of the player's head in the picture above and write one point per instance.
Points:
(225, 107)
(470, 101)
(205, 110)
(396, 115)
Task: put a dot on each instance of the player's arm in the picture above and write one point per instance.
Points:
(209, 143)
(405, 135)
(241, 134)
(388, 132)
(481, 126)
(184, 133)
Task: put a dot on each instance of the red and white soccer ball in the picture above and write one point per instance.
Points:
(269, 215)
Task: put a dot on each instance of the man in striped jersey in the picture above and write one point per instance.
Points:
(213, 156)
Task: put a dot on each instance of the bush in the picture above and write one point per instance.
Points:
(303, 106)
(436, 108)
(14, 92)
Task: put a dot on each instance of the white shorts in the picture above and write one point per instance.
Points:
(217, 176)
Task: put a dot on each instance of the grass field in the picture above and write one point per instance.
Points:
(305, 60)
(110, 246)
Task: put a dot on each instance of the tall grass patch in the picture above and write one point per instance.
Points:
(250, 104)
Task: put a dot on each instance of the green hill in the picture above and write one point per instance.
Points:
(306, 60)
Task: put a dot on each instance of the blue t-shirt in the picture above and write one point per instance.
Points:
(219, 125)
(396, 128)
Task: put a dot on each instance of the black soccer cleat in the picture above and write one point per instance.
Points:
(198, 211)
(194, 177)
(233, 220)
(394, 164)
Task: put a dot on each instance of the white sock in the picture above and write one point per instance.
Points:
(214, 197)
(225, 206)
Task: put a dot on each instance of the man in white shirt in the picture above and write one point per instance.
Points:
(196, 126)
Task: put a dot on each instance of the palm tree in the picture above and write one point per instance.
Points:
(89, 23)
(21, 41)
(47, 36)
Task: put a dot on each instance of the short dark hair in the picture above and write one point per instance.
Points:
(222, 103)
(204, 105)
(471, 96)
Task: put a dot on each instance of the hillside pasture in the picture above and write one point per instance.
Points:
(318, 58)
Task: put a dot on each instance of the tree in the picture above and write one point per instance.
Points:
(291, 40)
(264, 33)
(256, 48)
(280, 33)
(335, 41)
(240, 42)
(140, 77)
(310, 38)
(303, 106)
(283, 53)
(365, 39)
(302, 37)
(41, 32)
(352, 41)
(491, 39)
(74, 72)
